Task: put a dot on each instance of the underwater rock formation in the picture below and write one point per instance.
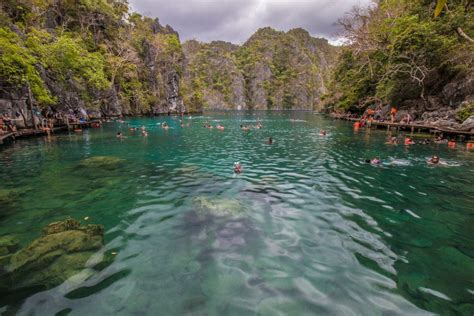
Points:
(101, 162)
(60, 253)
(217, 207)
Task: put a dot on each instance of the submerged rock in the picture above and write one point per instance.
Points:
(218, 207)
(62, 251)
(101, 162)
(8, 245)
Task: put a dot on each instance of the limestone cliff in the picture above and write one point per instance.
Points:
(271, 70)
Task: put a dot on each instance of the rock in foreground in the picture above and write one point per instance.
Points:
(60, 253)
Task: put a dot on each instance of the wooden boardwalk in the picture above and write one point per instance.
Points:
(419, 128)
(12, 136)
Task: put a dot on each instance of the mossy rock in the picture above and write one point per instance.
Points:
(102, 162)
(62, 252)
(8, 245)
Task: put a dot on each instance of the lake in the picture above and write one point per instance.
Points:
(308, 227)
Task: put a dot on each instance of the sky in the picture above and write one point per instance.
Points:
(236, 20)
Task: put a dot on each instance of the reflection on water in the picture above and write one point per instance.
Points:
(307, 228)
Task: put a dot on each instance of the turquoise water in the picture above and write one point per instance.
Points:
(308, 227)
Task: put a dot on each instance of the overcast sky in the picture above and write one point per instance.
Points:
(236, 20)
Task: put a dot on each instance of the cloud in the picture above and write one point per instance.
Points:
(236, 20)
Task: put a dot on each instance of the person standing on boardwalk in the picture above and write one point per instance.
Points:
(393, 113)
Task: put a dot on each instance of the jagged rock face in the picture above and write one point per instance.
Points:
(272, 70)
(211, 70)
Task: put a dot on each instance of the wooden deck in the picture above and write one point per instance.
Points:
(12, 136)
(419, 128)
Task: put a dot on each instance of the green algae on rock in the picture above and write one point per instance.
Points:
(60, 253)
(101, 162)
(217, 207)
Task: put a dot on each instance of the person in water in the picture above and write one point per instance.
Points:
(220, 127)
(270, 141)
(392, 141)
(374, 161)
(164, 125)
(119, 135)
(144, 133)
(244, 128)
(409, 141)
(237, 167)
(452, 143)
(425, 141)
(433, 160)
(323, 133)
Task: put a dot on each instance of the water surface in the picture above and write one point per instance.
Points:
(308, 228)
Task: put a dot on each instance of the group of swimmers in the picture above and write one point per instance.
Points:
(434, 160)
(408, 141)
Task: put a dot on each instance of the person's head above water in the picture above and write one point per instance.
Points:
(270, 141)
(434, 159)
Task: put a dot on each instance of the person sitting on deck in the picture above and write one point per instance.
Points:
(433, 160)
(2, 125)
(237, 167)
(409, 141)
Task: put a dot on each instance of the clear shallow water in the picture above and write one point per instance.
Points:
(308, 228)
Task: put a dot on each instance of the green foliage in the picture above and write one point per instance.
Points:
(465, 112)
(82, 48)
(18, 67)
(401, 46)
(68, 59)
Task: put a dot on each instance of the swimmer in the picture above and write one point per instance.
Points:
(392, 141)
(164, 126)
(237, 167)
(258, 126)
(119, 135)
(270, 141)
(142, 128)
(144, 133)
(409, 141)
(220, 127)
(244, 128)
(374, 161)
(425, 141)
(452, 143)
(323, 133)
(433, 160)
(440, 140)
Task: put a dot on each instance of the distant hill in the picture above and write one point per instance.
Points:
(271, 70)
